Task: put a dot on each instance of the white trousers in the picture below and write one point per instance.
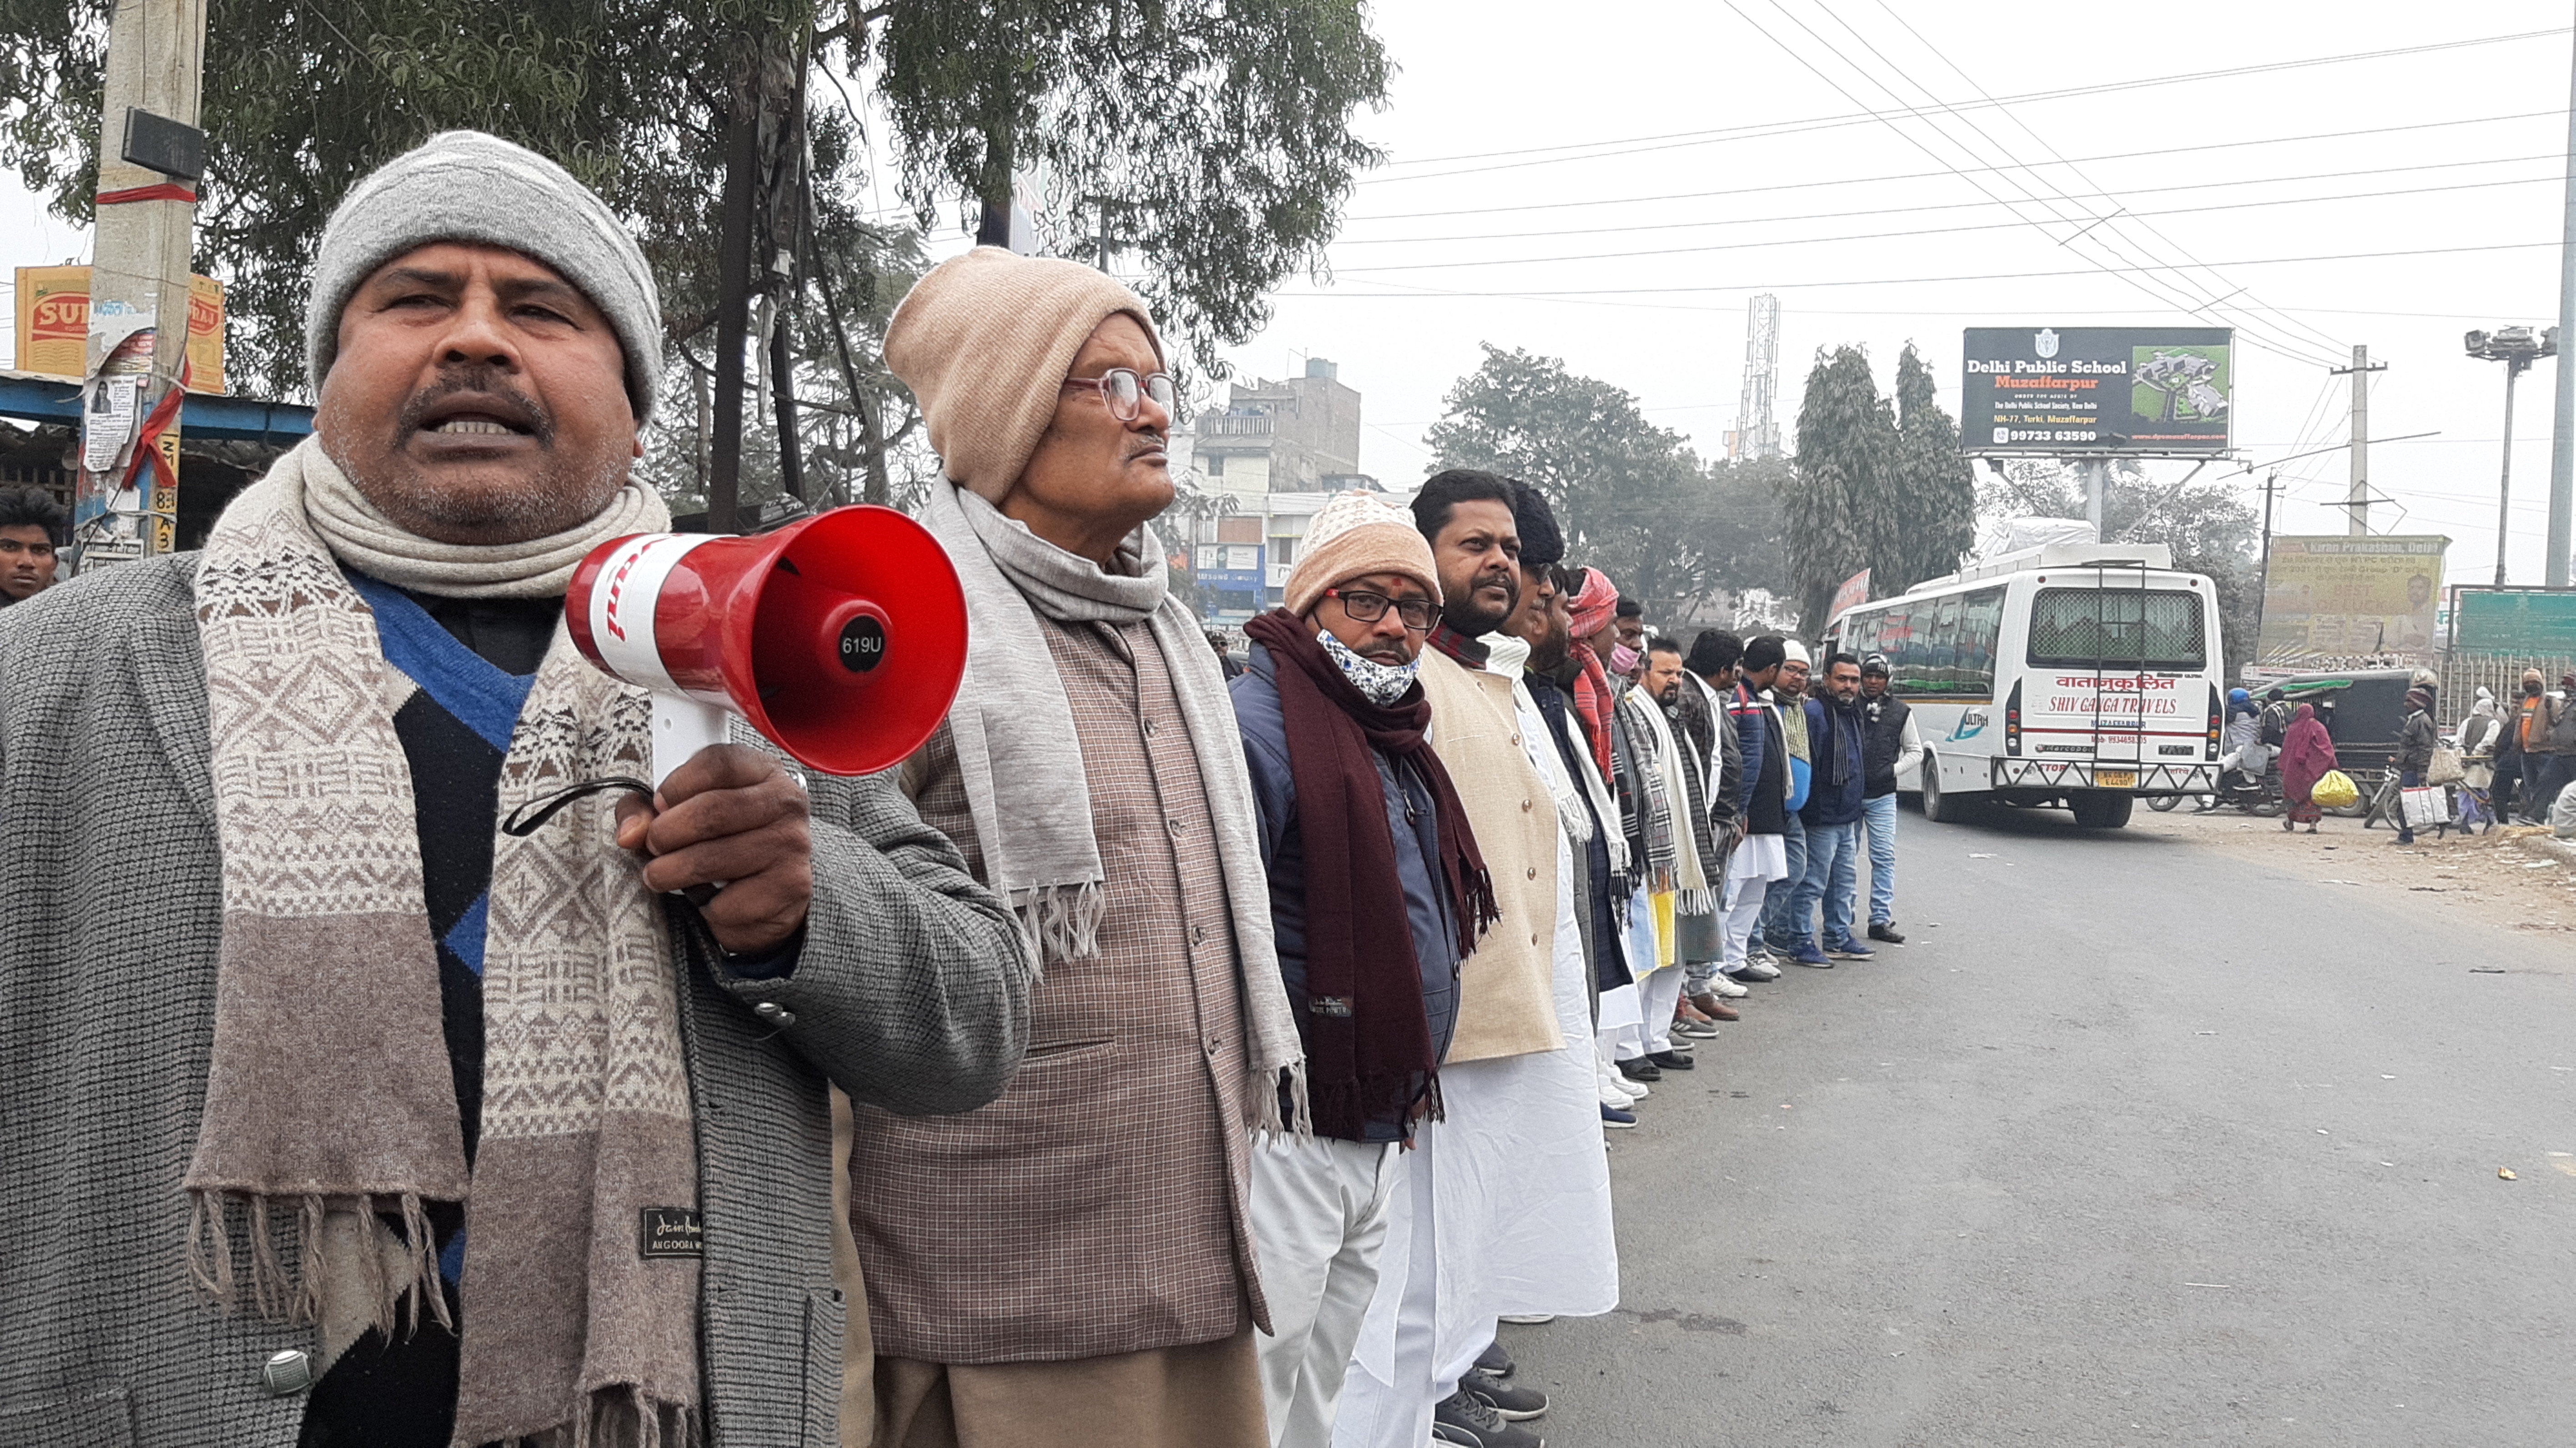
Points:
(1657, 996)
(1319, 1225)
(1394, 1412)
(1744, 899)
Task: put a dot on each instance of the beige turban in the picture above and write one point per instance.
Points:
(985, 341)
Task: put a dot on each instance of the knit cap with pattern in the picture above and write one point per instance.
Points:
(1356, 534)
(985, 341)
(467, 186)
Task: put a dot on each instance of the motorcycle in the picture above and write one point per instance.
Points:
(2262, 798)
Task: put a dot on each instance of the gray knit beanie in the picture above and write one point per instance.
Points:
(467, 186)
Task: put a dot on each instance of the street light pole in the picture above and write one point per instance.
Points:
(2517, 348)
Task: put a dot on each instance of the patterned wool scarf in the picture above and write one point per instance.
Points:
(330, 1108)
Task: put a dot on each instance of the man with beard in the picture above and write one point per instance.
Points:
(337, 1114)
(1893, 747)
(1832, 813)
(1518, 1082)
(1761, 860)
(1678, 728)
(1709, 671)
(1376, 891)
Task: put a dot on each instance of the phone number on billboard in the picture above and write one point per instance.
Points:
(2015, 434)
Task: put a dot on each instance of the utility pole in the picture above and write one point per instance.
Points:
(2097, 480)
(2356, 498)
(150, 157)
(2562, 432)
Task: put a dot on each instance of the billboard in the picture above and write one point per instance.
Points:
(2516, 621)
(2339, 602)
(2050, 391)
(53, 324)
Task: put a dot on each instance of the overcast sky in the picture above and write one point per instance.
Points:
(1609, 184)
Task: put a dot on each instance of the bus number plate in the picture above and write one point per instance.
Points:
(2115, 779)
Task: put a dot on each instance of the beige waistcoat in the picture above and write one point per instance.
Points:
(1506, 990)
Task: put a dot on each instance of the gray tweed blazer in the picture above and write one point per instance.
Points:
(912, 993)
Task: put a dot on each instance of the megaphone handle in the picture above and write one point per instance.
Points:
(681, 727)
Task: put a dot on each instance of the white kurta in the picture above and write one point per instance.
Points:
(1517, 1186)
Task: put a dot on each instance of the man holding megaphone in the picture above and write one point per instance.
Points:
(336, 1112)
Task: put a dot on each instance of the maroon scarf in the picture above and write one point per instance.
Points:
(1368, 1042)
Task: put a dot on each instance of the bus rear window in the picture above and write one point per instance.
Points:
(2133, 628)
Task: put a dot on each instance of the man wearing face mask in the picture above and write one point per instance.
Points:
(1377, 890)
(1518, 1085)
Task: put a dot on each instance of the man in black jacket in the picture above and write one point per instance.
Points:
(1889, 746)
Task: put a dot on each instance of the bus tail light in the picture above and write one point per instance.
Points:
(2012, 720)
(2217, 720)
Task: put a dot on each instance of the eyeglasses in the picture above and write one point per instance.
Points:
(1418, 613)
(1125, 392)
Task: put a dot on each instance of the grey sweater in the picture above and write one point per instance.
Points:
(911, 992)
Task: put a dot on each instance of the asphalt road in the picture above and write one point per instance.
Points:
(2144, 1143)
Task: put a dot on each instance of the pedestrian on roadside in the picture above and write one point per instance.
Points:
(1075, 1263)
(31, 529)
(2526, 724)
(1225, 660)
(1892, 747)
(2416, 737)
(2306, 755)
(1377, 891)
(1760, 865)
(1682, 746)
(1788, 703)
(1710, 671)
(342, 1012)
(2559, 765)
(1833, 813)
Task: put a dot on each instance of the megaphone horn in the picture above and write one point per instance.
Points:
(841, 638)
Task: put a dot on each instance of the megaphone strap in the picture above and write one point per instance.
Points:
(530, 817)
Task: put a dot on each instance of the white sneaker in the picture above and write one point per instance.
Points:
(1720, 985)
(1756, 970)
(1528, 1319)
(1617, 1090)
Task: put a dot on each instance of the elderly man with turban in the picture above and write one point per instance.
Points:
(1075, 1263)
(336, 1114)
(1376, 891)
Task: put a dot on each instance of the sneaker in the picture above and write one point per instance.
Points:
(1495, 1362)
(1885, 933)
(1470, 1420)
(1753, 969)
(1726, 987)
(1809, 955)
(1849, 949)
(1615, 1118)
(1527, 1319)
(1511, 1404)
(1696, 1030)
(1673, 1061)
(1640, 1069)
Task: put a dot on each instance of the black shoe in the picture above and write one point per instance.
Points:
(1640, 1069)
(1886, 933)
(1511, 1404)
(1465, 1419)
(1673, 1061)
(1494, 1362)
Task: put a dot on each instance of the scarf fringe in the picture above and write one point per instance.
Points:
(1700, 901)
(295, 1297)
(1060, 922)
(622, 1416)
(1263, 1111)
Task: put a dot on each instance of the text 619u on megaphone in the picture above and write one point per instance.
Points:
(841, 638)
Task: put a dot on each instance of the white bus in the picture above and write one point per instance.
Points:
(2082, 675)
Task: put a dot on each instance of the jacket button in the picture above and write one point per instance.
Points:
(774, 1013)
(1533, 872)
(287, 1373)
(1525, 804)
(1533, 937)
(1175, 824)
(1213, 1047)
(1198, 935)
(1149, 728)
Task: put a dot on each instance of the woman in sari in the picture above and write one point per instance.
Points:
(2306, 755)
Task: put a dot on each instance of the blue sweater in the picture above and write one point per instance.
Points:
(1411, 817)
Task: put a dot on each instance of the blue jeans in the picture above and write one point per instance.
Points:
(1833, 875)
(1878, 818)
(1782, 929)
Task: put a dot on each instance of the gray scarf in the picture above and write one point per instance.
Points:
(1022, 763)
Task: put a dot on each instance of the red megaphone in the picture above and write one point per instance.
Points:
(842, 638)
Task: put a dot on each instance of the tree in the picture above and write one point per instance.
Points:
(1214, 134)
(1632, 498)
(2210, 529)
(1878, 486)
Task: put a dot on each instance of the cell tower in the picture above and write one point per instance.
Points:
(1757, 432)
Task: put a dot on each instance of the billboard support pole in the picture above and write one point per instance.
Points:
(2096, 478)
(2356, 498)
(2562, 432)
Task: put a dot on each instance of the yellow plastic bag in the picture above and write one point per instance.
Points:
(2335, 791)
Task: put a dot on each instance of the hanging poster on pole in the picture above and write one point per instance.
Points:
(1850, 594)
(2061, 391)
